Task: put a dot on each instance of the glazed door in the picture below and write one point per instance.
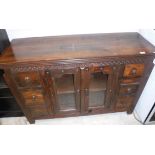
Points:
(96, 88)
(65, 90)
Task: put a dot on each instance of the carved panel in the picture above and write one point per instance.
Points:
(82, 63)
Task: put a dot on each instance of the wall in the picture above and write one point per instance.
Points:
(147, 98)
(24, 33)
(148, 34)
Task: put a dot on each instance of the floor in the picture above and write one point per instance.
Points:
(120, 118)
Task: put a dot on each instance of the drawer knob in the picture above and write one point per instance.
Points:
(78, 91)
(34, 97)
(101, 68)
(134, 71)
(47, 72)
(27, 78)
(129, 89)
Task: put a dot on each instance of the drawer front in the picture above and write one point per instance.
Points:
(5, 92)
(24, 79)
(105, 69)
(33, 97)
(124, 102)
(133, 70)
(130, 81)
(128, 89)
(39, 112)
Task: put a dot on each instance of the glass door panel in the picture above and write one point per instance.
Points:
(65, 89)
(97, 89)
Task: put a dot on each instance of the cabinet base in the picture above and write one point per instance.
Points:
(77, 115)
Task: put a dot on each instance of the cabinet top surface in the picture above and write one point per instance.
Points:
(75, 47)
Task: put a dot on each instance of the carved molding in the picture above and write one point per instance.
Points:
(74, 63)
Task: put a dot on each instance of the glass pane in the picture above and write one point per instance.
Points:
(65, 83)
(96, 98)
(97, 89)
(66, 92)
(66, 101)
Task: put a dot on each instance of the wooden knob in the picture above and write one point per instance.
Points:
(27, 78)
(34, 97)
(78, 91)
(47, 72)
(134, 71)
(129, 89)
(101, 68)
(86, 69)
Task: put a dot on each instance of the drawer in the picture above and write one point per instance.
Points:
(33, 97)
(133, 70)
(105, 69)
(130, 81)
(5, 92)
(128, 89)
(24, 79)
(38, 112)
(124, 102)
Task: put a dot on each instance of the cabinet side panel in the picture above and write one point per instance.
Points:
(9, 80)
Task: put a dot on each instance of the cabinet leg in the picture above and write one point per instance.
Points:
(130, 110)
(31, 121)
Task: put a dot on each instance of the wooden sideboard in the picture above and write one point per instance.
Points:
(63, 76)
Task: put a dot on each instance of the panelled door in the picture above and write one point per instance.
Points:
(96, 88)
(64, 85)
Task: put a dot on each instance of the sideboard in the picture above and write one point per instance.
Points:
(64, 76)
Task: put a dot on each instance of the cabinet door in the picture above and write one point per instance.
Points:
(96, 88)
(65, 90)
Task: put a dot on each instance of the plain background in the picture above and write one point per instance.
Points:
(59, 17)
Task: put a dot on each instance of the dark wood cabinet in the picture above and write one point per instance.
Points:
(54, 77)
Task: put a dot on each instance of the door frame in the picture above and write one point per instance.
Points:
(51, 74)
(85, 82)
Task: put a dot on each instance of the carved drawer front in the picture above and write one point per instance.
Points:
(130, 89)
(123, 102)
(33, 97)
(38, 112)
(24, 79)
(105, 69)
(133, 70)
(135, 81)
